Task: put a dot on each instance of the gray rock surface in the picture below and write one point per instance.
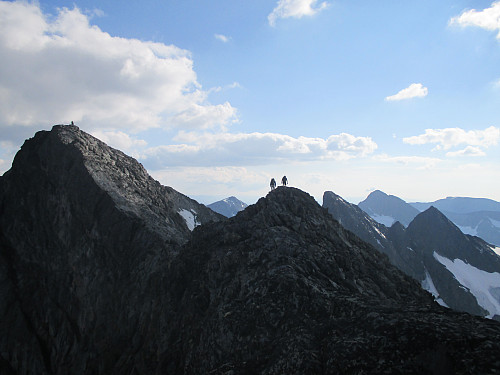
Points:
(99, 274)
(85, 242)
(379, 204)
(412, 250)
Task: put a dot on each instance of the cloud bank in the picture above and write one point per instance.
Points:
(415, 90)
(60, 68)
(488, 18)
(475, 140)
(295, 9)
(229, 149)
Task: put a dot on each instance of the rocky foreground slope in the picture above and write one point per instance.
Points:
(100, 275)
(86, 236)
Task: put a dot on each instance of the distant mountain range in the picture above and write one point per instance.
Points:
(228, 207)
(475, 216)
(461, 271)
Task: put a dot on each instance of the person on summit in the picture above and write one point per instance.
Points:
(284, 181)
(273, 183)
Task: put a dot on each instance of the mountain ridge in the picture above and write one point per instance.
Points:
(101, 273)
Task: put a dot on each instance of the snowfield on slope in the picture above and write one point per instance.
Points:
(190, 218)
(485, 286)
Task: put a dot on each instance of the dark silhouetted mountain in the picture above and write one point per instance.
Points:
(283, 288)
(475, 216)
(461, 271)
(463, 212)
(228, 207)
(387, 209)
(359, 222)
(460, 205)
(484, 224)
(86, 237)
(100, 274)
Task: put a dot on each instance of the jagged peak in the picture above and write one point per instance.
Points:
(432, 219)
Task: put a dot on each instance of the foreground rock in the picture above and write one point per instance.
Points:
(100, 274)
(283, 288)
(85, 241)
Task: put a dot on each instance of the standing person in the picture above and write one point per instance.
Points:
(284, 181)
(273, 183)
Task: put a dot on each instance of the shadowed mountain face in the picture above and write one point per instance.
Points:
(100, 273)
(475, 216)
(387, 209)
(461, 271)
(85, 240)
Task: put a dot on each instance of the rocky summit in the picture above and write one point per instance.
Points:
(101, 274)
(86, 236)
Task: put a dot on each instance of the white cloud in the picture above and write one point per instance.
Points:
(222, 38)
(255, 149)
(417, 162)
(468, 151)
(215, 182)
(119, 140)
(295, 9)
(452, 137)
(61, 68)
(488, 18)
(7, 152)
(415, 90)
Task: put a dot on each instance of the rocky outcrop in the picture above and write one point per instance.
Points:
(284, 288)
(85, 241)
(100, 274)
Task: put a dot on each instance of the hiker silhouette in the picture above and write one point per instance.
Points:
(273, 184)
(284, 181)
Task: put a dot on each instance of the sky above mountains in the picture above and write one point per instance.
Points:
(216, 97)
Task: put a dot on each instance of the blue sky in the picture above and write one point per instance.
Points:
(216, 97)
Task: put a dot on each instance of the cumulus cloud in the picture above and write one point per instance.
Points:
(488, 18)
(222, 38)
(224, 149)
(295, 9)
(468, 151)
(119, 140)
(452, 137)
(60, 68)
(415, 90)
(7, 152)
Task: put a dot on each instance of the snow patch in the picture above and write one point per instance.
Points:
(379, 232)
(485, 286)
(385, 220)
(495, 223)
(190, 218)
(496, 249)
(428, 285)
(409, 248)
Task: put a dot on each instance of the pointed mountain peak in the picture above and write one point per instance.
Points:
(377, 193)
(432, 214)
(288, 201)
